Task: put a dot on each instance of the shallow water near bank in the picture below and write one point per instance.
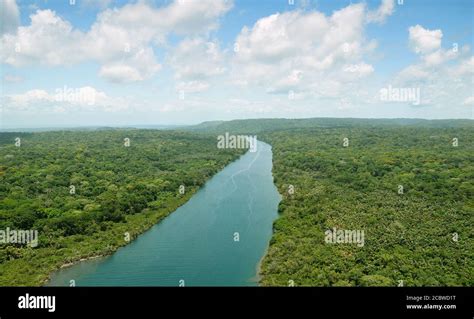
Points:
(216, 239)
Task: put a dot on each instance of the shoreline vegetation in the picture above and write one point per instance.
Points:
(409, 189)
(109, 250)
(119, 192)
(406, 183)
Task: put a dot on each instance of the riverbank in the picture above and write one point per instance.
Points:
(146, 222)
(216, 239)
(259, 276)
(114, 238)
(86, 193)
(154, 219)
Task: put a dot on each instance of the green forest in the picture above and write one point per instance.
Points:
(407, 184)
(124, 181)
(409, 188)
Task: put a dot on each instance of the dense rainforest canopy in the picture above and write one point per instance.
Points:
(88, 193)
(407, 184)
(409, 189)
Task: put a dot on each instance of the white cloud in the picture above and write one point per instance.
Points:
(120, 73)
(10, 16)
(469, 101)
(197, 59)
(137, 66)
(304, 51)
(192, 17)
(385, 9)
(72, 99)
(121, 39)
(412, 73)
(438, 57)
(358, 70)
(432, 57)
(287, 83)
(30, 97)
(423, 40)
(444, 76)
(47, 40)
(329, 89)
(464, 68)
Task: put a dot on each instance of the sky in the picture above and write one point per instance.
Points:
(145, 62)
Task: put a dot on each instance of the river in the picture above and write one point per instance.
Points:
(216, 239)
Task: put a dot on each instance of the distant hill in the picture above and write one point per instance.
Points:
(91, 128)
(254, 126)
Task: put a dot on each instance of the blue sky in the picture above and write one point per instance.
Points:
(104, 62)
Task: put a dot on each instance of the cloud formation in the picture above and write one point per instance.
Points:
(304, 52)
(64, 99)
(283, 62)
(423, 40)
(386, 8)
(443, 75)
(10, 16)
(122, 40)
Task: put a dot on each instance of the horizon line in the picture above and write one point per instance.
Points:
(112, 126)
